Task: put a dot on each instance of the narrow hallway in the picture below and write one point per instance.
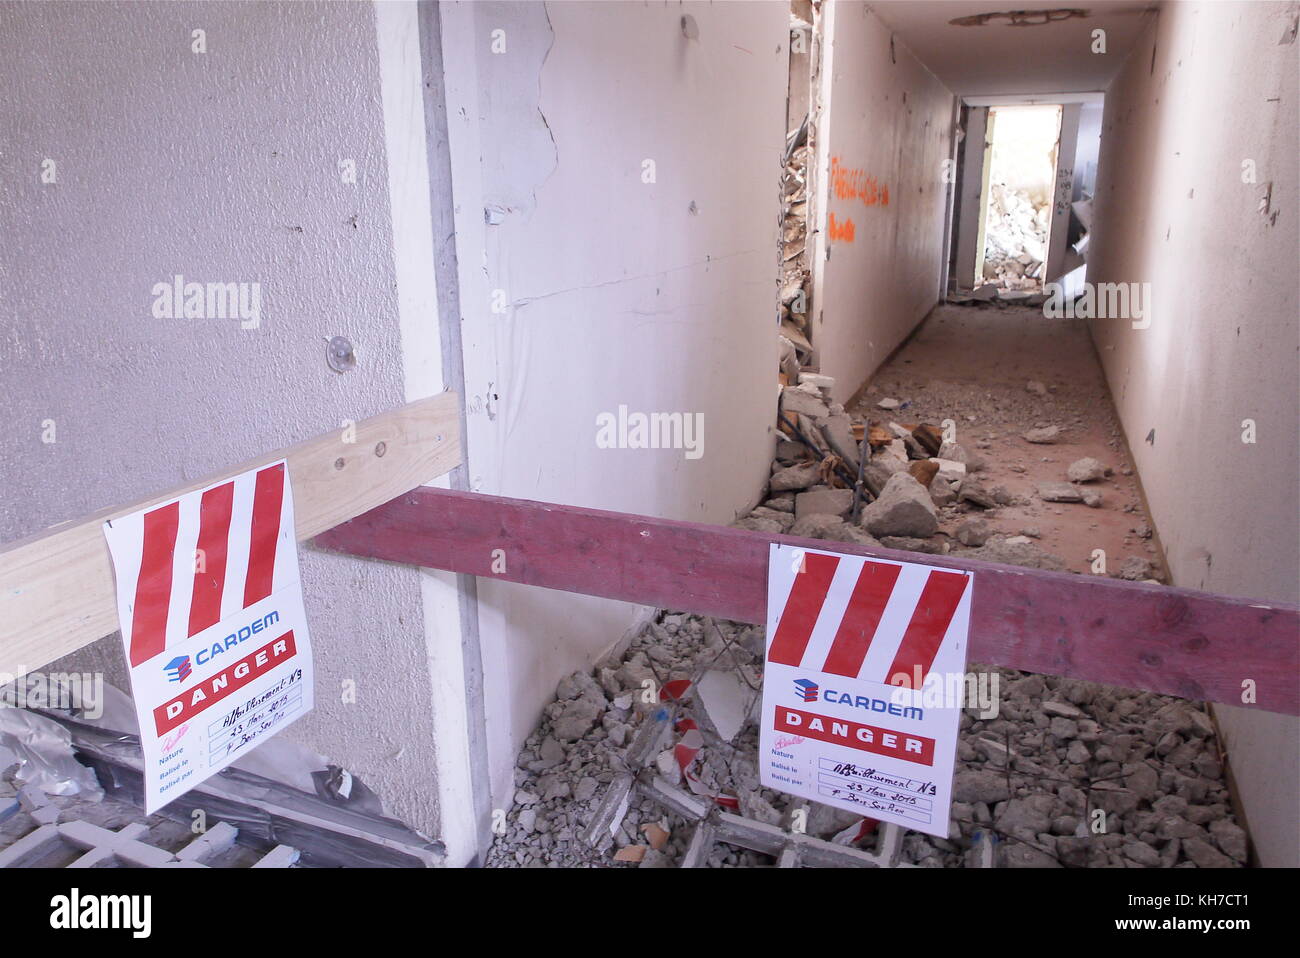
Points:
(1001, 374)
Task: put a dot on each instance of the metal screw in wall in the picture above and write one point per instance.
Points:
(340, 355)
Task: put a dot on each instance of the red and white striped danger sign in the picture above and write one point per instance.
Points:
(884, 622)
(213, 625)
(189, 543)
(858, 710)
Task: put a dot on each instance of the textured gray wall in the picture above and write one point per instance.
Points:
(221, 166)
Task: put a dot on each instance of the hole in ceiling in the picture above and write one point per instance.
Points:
(1021, 18)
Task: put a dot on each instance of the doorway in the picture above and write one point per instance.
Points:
(1022, 143)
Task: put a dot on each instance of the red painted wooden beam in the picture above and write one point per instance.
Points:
(1195, 645)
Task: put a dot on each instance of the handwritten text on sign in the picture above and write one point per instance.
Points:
(213, 625)
(853, 645)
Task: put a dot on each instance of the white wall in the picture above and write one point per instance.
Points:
(618, 293)
(890, 119)
(1172, 209)
(221, 166)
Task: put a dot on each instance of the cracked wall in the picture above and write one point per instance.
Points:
(591, 279)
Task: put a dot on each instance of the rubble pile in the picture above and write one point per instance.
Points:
(1059, 761)
(796, 348)
(1054, 772)
(915, 490)
(1015, 239)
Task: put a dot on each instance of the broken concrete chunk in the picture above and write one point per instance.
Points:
(973, 532)
(979, 786)
(909, 544)
(1053, 491)
(760, 524)
(838, 432)
(889, 403)
(1035, 387)
(1135, 568)
(789, 451)
(951, 470)
(577, 719)
(1086, 470)
(1048, 434)
(903, 509)
(834, 502)
(805, 402)
(848, 532)
(943, 493)
(976, 493)
(1017, 550)
(816, 379)
(1063, 709)
(794, 477)
(816, 525)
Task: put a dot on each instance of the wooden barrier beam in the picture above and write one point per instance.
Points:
(1194, 645)
(56, 587)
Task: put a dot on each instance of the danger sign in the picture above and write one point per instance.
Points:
(855, 646)
(213, 625)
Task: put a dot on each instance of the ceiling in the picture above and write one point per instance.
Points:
(996, 59)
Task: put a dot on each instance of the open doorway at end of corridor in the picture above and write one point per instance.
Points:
(1022, 143)
(1023, 207)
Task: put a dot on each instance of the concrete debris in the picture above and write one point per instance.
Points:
(838, 433)
(910, 544)
(904, 508)
(805, 401)
(1043, 435)
(888, 403)
(975, 492)
(794, 477)
(1015, 238)
(1086, 470)
(1033, 772)
(1135, 569)
(1014, 550)
(823, 501)
(1059, 492)
(973, 532)
(824, 383)
(953, 452)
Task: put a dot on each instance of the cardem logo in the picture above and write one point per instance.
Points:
(178, 669)
(806, 689)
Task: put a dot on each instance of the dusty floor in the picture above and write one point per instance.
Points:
(973, 365)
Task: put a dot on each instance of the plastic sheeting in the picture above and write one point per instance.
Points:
(42, 750)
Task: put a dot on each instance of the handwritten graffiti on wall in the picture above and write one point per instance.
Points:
(841, 230)
(849, 183)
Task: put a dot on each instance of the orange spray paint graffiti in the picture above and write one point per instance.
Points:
(848, 183)
(841, 231)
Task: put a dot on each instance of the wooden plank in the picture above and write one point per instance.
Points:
(1195, 645)
(56, 588)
